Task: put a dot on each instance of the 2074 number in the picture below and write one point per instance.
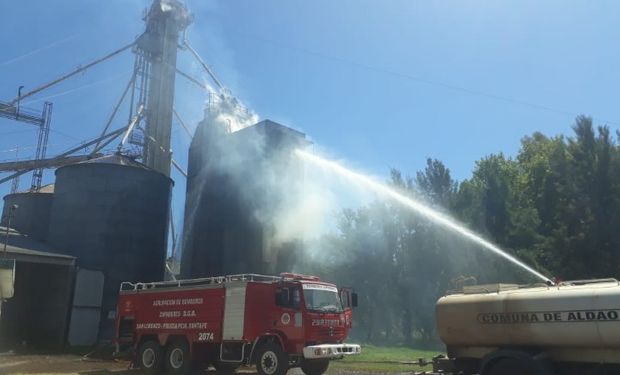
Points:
(205, 336)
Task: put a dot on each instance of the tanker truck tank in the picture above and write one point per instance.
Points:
(558, 328)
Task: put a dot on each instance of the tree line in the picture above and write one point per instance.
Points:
(555, 205)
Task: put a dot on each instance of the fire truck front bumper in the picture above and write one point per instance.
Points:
(331, 351)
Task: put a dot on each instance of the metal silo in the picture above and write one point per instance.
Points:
(112, 214)
(32, 216)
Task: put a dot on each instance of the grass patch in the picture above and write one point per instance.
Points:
(373, 359)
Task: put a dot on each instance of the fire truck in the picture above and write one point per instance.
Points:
(273, 322)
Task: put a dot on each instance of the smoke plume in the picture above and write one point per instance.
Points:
(223, 109)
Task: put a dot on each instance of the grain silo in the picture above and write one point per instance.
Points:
(33, 213)
(112, 214)
(236, 182)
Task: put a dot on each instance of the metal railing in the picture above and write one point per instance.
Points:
(586, 282)
(129, 286)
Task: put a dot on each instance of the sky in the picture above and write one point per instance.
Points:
(374, 84)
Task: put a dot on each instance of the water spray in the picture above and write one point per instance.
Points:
(418, 207)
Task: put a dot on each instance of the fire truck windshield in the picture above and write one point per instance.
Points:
(322, 298)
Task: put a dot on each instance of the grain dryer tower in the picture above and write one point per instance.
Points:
(237, 182)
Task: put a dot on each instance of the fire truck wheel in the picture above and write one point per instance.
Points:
(315, 367)
(271, 360)
(178, 358)
(150, 356)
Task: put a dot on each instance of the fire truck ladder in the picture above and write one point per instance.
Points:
(215, 280)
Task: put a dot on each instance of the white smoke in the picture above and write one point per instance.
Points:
(311, 209)
(308, 198)
(296, 203)
(304, 215)
(224, 109)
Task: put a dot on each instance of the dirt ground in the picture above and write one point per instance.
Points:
(60, 364)
(68, 364)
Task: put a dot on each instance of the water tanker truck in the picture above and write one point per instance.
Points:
(505, 329)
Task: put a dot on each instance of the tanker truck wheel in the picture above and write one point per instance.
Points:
(508, 366)
(271, 360)
(178, 358)
(515, 366)
(150, 357)
(315, 366)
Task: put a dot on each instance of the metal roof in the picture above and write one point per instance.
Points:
(269, 126)
(116, 159)
(49, 188)
(25, 249)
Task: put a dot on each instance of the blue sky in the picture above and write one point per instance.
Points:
(378, 84)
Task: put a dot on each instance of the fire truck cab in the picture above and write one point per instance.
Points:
(273, 322)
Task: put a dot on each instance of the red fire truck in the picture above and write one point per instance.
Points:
(273, 322)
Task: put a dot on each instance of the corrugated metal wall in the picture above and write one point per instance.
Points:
(33, 215)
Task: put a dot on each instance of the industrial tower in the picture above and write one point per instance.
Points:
(151, 89)
(154, 78)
